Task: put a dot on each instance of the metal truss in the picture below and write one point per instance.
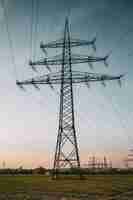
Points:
(67, 152)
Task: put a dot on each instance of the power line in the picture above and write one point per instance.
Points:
(37, 6)
(9, 38)
(31, 27)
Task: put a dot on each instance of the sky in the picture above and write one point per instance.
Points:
(103, 115)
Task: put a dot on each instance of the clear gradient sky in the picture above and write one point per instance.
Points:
(104, 116)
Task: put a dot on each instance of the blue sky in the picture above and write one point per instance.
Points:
(103, 115)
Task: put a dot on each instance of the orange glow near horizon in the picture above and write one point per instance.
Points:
(36, 159)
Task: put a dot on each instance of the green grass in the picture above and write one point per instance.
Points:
(98, 185)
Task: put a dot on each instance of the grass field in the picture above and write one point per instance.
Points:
(101, 187)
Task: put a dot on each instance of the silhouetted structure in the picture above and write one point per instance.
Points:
(129, 160)
(95, 163)
(67, 153)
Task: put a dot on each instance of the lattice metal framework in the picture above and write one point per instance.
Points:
(67, 154)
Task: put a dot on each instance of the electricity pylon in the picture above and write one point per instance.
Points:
(67, 153)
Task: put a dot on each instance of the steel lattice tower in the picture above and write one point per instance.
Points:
(67, 154)
(66, 132)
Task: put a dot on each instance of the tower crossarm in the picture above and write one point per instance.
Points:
(73, 43)
(75, 59)
(77, 77)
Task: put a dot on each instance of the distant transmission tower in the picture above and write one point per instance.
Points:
(67, 153)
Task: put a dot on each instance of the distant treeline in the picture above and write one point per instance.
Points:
(73, 171)
(20, 170)
(88, 171)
